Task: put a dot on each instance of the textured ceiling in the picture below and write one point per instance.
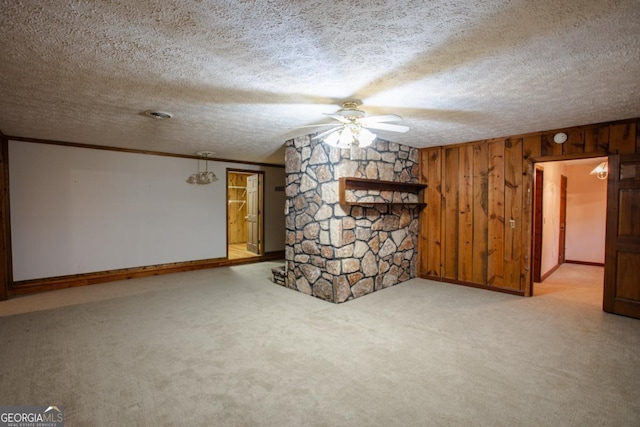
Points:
(240, 77)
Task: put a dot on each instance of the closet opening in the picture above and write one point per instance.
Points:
(245, 197)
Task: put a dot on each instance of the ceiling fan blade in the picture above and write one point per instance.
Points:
(316, 126)
(384, 118)
(325, 133)
(338, 118)
(384, 126)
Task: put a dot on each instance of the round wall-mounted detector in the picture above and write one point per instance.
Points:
(560, 138)
(205, 153)
(160, 115)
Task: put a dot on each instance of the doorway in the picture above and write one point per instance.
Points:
(245, 196)
(569, 217)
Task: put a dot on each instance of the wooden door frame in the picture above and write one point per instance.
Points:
(261, 176)
(562, 234)
(536, 251)
(536, 161)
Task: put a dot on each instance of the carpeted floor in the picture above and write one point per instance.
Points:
(226, 347)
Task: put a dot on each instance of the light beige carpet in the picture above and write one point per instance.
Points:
(226, 347)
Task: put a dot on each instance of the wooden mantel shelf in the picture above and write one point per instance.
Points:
(354, 184)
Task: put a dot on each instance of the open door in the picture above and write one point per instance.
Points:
(622, 252)
(245, 194)
(254, 214)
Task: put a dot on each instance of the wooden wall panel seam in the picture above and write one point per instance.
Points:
(480, 213)
(452, 211)
(496, 225)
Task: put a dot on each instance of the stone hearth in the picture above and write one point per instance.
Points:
(340, 252)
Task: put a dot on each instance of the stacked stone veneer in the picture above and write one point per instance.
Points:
(339, 252)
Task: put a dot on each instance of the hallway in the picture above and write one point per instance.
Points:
(574, 282)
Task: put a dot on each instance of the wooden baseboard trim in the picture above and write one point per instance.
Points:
(476, 285)
(62, 282)
(594, 264)
(549, 273)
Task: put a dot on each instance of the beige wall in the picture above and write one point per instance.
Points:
(586, 214)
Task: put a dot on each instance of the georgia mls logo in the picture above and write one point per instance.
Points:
(31, 416)
(53, 408)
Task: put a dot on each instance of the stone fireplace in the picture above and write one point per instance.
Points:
(340, 251)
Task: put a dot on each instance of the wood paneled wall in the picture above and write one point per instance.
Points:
(476, 227)
(5, 231)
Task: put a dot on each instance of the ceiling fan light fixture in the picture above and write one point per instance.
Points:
(366, 138)
(346, 137)
(351, 135)
(332, 138)
(352, 129)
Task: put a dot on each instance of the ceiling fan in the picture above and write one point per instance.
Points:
(353, 127)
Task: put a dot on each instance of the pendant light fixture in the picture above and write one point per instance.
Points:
(206, 177)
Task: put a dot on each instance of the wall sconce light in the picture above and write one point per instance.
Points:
(601, 171)
(206, 177)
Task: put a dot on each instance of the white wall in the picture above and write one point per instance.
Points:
(586, 214)
(78, 210)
